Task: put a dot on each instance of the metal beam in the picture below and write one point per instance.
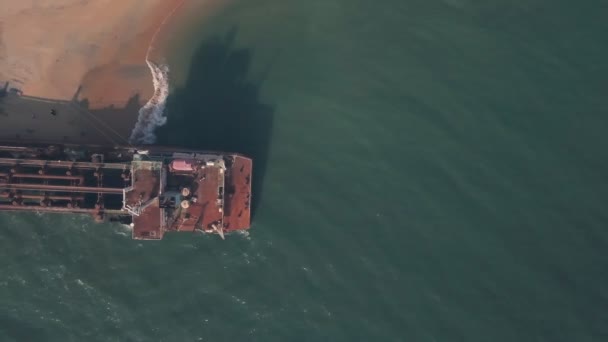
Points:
(61, 188)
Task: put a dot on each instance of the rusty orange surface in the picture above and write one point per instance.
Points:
(145, 187)
(148, 224)
(237, 210)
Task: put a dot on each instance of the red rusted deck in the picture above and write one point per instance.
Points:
(207, 209)
(148, 224)
(145, 187)
(210, 183)
(237, 212)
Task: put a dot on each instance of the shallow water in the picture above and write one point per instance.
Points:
(426, 171)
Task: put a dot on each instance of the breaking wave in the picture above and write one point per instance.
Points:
(151, 115)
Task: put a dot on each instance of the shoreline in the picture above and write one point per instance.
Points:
(94, 51)
(50, 51)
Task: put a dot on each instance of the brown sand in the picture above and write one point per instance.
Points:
(50, 48)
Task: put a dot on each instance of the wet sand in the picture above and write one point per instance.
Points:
(96, 49)
(49, 48)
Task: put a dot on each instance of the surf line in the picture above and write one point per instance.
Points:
(151, 115)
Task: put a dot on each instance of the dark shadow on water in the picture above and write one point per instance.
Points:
(4, 90)
(219, 108)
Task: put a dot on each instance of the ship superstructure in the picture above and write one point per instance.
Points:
(155, 190)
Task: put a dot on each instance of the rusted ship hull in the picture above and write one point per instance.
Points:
(156, 190)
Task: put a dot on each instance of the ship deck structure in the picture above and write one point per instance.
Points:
(156, 190)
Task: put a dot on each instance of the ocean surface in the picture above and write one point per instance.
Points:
(424, 171)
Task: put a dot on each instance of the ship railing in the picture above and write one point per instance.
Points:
(125, 206)
(137, 210)
(163, 180)
(133, 211)
(143, 206)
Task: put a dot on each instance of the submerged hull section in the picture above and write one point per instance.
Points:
(156, 190)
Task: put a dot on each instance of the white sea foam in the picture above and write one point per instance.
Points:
(124, 230)
(151, 115)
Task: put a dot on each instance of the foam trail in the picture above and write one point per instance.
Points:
(151, 115)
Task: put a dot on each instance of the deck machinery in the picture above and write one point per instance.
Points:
(155, 190)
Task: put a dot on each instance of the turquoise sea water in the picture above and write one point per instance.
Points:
(425, 171)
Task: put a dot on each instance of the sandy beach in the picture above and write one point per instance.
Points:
(50, 48)
(91, 50)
